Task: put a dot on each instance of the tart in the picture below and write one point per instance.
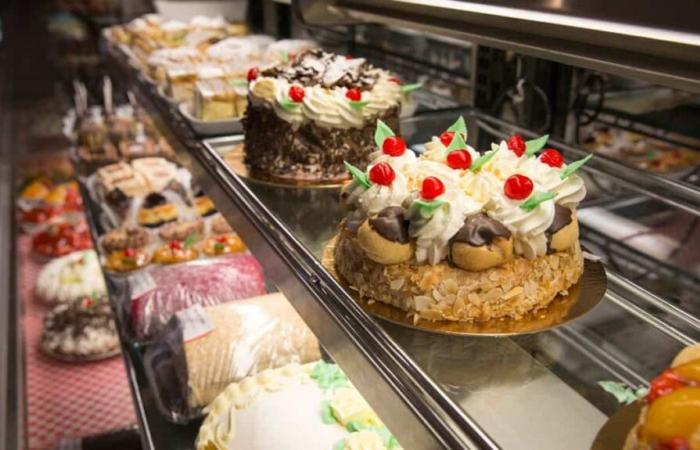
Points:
(35, 191)
(125, 237)
(311, 407)
(61, 239)
(80, 330)
(127, 259)
(175, 252)
(670, 418)
(219, 225)
(223, 244)
(70, 277)
(305, 117)
(460, 235)
(156, 210)
(179, 231)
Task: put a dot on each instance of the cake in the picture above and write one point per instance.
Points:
(62, 238)
(296, 407)
(80, 330)
(670, 417)
(305, 117)
(460, 235)
(70, 277)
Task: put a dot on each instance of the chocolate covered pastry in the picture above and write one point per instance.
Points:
(307, 116)
(125, 237)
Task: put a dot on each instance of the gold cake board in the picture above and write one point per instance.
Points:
(613, 434)
(581, 299)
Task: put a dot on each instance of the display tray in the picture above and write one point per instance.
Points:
(581, 299)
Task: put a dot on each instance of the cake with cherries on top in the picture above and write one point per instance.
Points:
(305, 117)
(459, 235)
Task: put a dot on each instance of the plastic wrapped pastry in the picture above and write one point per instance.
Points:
(205, 349)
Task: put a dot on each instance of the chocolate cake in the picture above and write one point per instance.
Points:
(305, 117)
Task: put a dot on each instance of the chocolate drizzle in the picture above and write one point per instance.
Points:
(154, 199)
(391, 224)
(479, 230)
(315, 67)
(562, 217)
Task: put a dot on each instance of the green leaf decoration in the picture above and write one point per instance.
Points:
(357, 105)
(481, 160)
(622, 393)
(358, 175)
(393, 443)
(573, 167)
(289, 104)
(284, 57)
(457, 143)
(93, 295)
(327, 414)
(354, 426)
(382, 132)
(190, 240)
(459, 127)
(328, 376)
(340, 445)
(406, 88)
(535, 200)
(535, 145)
(239, 82)
(428, 208)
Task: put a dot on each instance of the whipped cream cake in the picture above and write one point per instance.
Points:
(295, 407)
(70, 277)
(457, 234)
(308, 115)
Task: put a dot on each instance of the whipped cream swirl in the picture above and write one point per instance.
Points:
(569, 191)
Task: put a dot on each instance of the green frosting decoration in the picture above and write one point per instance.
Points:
(573, 167)
(328, 376)
(190, 240)
(358, 175)
(284, 56)
(481, 160)
(340, 445)
(388, 439)
(428, 208)
(457, 143)
(288, 104)
(623, 393)
(327, 413)
(239, 82)
(535, 145)
(459, 127)
(535, 200)
(383, 131)
(357, 105)
(406, 88)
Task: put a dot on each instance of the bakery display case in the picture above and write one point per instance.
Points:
(173, 198)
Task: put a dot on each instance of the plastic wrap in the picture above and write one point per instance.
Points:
(204, 282)
(203, 350)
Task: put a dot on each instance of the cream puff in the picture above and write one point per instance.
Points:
(563, 232)
(384, 238)
(481, 243)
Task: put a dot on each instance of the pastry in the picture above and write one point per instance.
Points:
(156, 210)
(214, 99)
(203, 205)
(670, 418)
(305, 117)
(80, 330)
(62, 238)
(158, 172)
(39, 215)
(203, 282)
(123, 177)
(125, 237)
(70, 277)
(311, 407)
(176, 252)
(127, 259)
(458, 235)
(179, 231)
(223, 244)
(35, 191)
(219, 225)
(91, 159)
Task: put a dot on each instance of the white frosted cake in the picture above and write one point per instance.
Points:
(71, 277)
(295, 407)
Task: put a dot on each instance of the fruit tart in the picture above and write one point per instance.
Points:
(125, 237)
(460, 235)
(128, 259)
(223, 244)
(62, 238)
(670, 419)
(177, 251)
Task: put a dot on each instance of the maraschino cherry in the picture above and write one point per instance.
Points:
(252, 74)
(176, 245)
(354, 94)
(296, 93)
(664, 384)
(382, 174)
(432, 188)
(459, 159)
(447, 136)
(394, 146)
(518, 187)
(516, 144)
(552, 158)
(129, 252)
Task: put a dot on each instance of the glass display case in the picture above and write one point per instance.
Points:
(478, 390)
